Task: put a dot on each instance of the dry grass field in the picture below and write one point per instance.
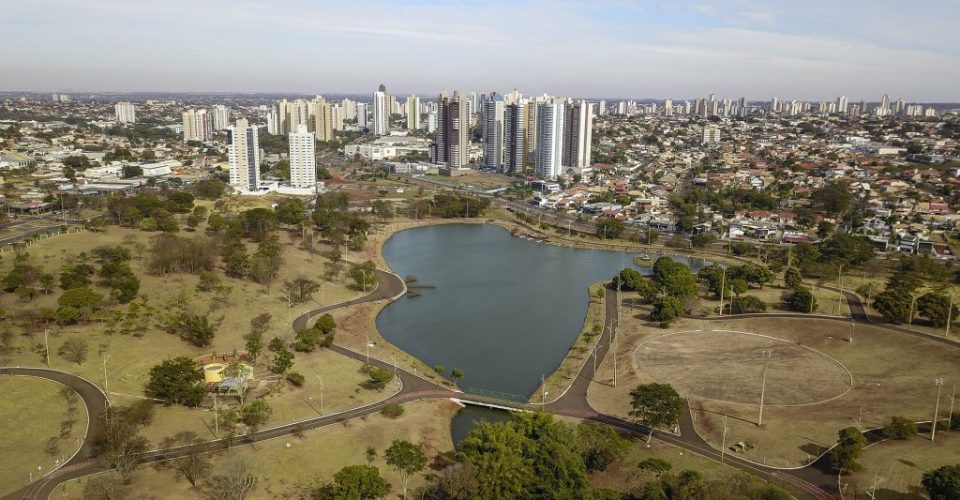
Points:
(130, 357)
(897, 467)
(892, 373)
(283, 463)
(31, 412)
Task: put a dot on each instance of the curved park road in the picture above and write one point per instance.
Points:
(812, 481)
(93, 399)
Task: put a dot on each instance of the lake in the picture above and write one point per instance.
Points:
(505, 310)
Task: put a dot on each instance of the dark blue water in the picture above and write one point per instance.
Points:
(505, 311)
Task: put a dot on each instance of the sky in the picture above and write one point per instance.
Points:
(793, 49)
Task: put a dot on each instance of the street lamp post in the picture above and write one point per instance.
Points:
(840, 282)
(320, 379)
(723, 284)
(936, 411)
(946, 333)
(723, 445)
(766, 354)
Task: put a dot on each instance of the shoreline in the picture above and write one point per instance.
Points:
(570, 359)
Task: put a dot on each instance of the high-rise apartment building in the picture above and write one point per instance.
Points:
(549, 159)
(578, 135)
(842, 105)
(339, 115)
(413, 112)
(323, 119)
(126, 112)
(274, 123)
(349, 109)
(514, 137)
(303, 159)
(710, 134)
(363, 115)
(491, 123)
(243, 152)
(381, 111)
(668, 107)
(221, 117)
(452, 145)
(197, 125)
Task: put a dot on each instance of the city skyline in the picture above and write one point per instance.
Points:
(607, 48)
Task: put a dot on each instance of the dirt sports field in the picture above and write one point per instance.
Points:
(726, 365)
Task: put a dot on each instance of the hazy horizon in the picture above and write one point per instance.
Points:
(816, 50)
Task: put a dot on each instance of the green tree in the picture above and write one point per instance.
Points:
(378, 378)
(850, 445)
(747, 304)
(674, 278)
(364, 276)
(801, 300)
(600, 445)
(531, 456)
(900, 428)
(82, 300)
(942, 483)
(894, 304)
(118, 442)
(283, 361)
(936, 308)
(609, 228)
(666, 309)
(256, 413)
(406, 458)
(655, 406)
(792, 278)
(358, 482)
(176, 381)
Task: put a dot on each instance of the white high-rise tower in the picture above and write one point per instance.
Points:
(244, 155)
(303, 160)
(126, 112)
(549, 160)
(381, 112)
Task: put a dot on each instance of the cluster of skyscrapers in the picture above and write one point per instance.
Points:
(553, 134)
(200, 124)
(726, 107)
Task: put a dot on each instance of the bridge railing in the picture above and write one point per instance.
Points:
(495, 395)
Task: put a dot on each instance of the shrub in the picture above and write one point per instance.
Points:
(747, 304)
(900, 428)
(295, 379)
(392, 411)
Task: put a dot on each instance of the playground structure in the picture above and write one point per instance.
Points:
(228, 379)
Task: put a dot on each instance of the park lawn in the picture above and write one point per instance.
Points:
(32, 410)
(624, 475)
(283, 463)
(886, 383)
(900, 465)
(563, 376)
(772, 295)
(129, 358)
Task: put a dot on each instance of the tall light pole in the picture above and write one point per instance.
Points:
(936, 411)
(543, 391)
(946, 333)
(766, 354)
(723, 284)
(46, 347)
(320, 379)
(595, 349)
(723, 445)
(840, 282)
